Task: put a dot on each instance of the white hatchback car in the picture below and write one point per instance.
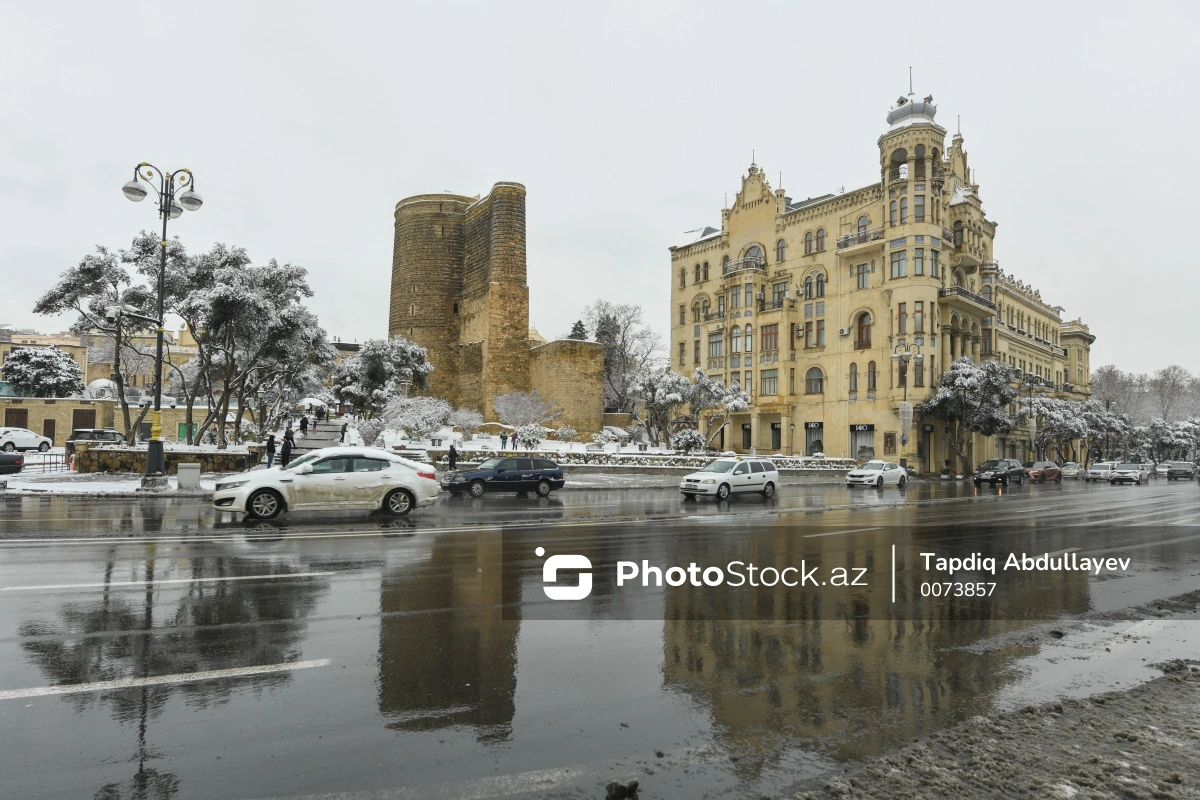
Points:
(22, 439)
(877, 474)
(733, 475)
(1100, 471)
(331, 479)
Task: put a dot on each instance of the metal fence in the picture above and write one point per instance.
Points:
(46, 462)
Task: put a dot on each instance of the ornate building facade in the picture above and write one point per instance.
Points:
(459, 290)
(812, 305)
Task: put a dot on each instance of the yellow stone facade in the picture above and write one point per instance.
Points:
(805, 303)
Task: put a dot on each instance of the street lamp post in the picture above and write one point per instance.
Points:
(902, 354)
(169, 183)
(792, 439)
(1030, 382)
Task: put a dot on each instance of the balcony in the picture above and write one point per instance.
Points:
(852, 240)
(775, 305)
(743, 264)
(716, 316)
(862, 344)
(961, 295)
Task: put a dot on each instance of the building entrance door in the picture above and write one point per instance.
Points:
(83, 418)
(16, 417)
(48, 430)
(776, 436)
(747, 436)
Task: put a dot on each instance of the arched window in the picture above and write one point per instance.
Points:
(696, 312)
(808, 243)
(735, 340)
(863, 340)
(749, 338)
(820, 239)
(863, 223)
(780, 250)
(853, 377)
(958, 233)
(892, 213)
(820, 286)
(903, 210)
(704, 307)
(754, 255)
(682, 277)
(814, 381)
(808, 288)
(871, 374)
(705, 270)
(697, 274)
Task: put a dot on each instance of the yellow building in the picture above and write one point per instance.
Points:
(73, 346)
(804, 303)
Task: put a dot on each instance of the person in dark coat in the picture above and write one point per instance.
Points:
(343, 439)
(304, 424)
(285, 452)
(514, 440)
(504, 439)
(320, 413)
(270, 450)
(453, 457)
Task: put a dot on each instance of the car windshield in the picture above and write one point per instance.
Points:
(993, 464)
(1129, 466)
(1182, 464)
(873, 466)
(1043, 464)
(1070, 464)
(719, 466)
(1029, 464)
(307, 458)
(489, 464)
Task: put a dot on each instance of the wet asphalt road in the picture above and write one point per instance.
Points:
(351, 656)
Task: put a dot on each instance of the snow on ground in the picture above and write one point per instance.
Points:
(90, 483)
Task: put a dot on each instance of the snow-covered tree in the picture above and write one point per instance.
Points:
(382, 369)
(566, 433)
(43, 372)
(370, 430)
(530, 436)
(630, 347)
(524, 408)
(604, 437)
(711, 403)
(1169, 388)
(419, 417)
(660, 395)
(688, 439)
(578, 331)
(1060, 424)
(466, 421)
(973, 397)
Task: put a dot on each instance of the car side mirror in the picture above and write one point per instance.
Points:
(500, 469)
(305, 469)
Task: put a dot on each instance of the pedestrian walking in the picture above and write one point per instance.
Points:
(285, 452)
(343, 439)
(320, 413)
(453, 458)
(514, 440)
(504, 440)
(270, 450)
(304, 425)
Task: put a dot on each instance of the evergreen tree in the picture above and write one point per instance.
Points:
(578, 331)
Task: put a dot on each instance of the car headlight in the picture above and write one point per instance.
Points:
(457, 479)
(221, 487)
(709, 480)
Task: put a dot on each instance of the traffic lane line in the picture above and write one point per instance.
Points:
(159, 680)
(114, 584)
(835, 533)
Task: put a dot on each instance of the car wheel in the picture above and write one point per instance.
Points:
(978, 484)
(1004, 481)
(264, 504)
(879, 482)
(9, 447)
(398, 503)
(768, 490)
(1058, 479)
(688, 496)
(903, 480)
(476, 488)
(44, 447)
(723, 491)
(543, 488)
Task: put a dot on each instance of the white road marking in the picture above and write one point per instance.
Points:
(169, 580)
(835, 533)
(158, 680)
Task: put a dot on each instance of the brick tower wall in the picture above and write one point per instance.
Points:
(427, 254)
(570, 375)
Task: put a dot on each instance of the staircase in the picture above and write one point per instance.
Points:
(328, 434)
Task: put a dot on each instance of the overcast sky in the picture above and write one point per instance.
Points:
(628, 124)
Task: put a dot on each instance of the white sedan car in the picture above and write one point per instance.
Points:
(1100, 471)
(331, 479)
(734, 475)
(1129, 473)
(877, 474)
(22, 439)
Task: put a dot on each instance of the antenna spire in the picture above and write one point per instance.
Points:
(910, 91)
(959, 131)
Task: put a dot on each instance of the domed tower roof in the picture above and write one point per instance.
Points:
(910, 111)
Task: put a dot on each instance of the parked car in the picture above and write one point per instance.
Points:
(732, 475)
(11, 463)
(23, 439)
(102, 435)
(1129, 473)
(1160, 469)
(877, 474)
(1100, 471)
(1000, 470)
(1069, 470)
(1181, 471)
(518, 474)
(331, 479)
(1042, 471)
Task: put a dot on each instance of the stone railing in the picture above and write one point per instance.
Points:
(90, 458)
(472, 458)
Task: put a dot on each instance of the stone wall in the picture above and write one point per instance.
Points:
(60, 412)
(133, 459)
(567, 373)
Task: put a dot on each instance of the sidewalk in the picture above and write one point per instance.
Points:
(98, 484)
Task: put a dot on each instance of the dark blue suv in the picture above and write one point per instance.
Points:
(516, 474)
